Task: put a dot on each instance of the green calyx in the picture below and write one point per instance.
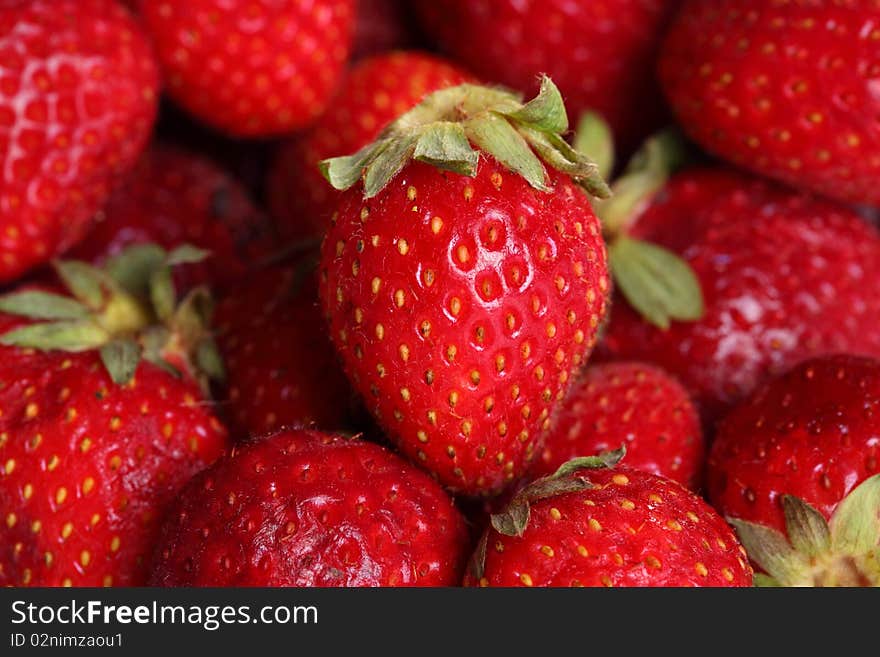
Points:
(128, 310)
(659, 284)
(844, 551)
(448, 126)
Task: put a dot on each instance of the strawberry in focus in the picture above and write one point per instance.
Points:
(175, 197)
(786, 89)
(784, 276)
(803, 450)
(253, 69)
(601, 54)
(464, 296)
(94, 440)
(281, 369)
(304, 508)
(608, 526)
(80, 89)
(374, 93)
(632, 404)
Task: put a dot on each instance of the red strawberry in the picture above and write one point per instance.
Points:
(174, 197)
(631, 404)
(608, 527)
(281, 369)
(600, 53)
(784, 276)
(792, 456)
(380, 26)
(251, 69)
(374, 93)
(79, 93)
(93, 444)
(303, 508)
(463, 306)
(788, 89)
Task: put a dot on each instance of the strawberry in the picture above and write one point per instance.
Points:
(94, 443)
(803, 450)
(784, 276)
(608, 526)
(281, 369)
(380, 26)
(304, 508)
(786, 89)
(601, 53)
(631, 404)
(174, 197)
(375, 92)
(79, 100)
(251, 69)
(464, 291)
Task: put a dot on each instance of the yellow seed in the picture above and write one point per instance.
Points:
(547, 550)
(11, 519)
(582, 551)
(620, 479)
(436, 225)
(67, 530)
(376, 284)
(526, 579)
(628, 505)
(555, 514)
(402, 246)
(114, 544)
(701, 569)
(85, 557)
(9, 467)
(595, 525)
(61, 495)
(87, 485)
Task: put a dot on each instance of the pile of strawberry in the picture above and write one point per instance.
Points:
(439, 293)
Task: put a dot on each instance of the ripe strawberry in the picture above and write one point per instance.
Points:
(784, 276)
(281, 369)
(787, 89)
(631, 404)
(797, 451)
(608, 527)
(251, 69)
(374, 93)
(600, 53)
(380, 26)
(464, 297)
(79, 100)
(304, 508)
(93, 443)
(174, 197)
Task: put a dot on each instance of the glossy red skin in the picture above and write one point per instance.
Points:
(253, 69)
(632, 404)
(304, 508)
(471, 356)
(374, 93)
(812, 433)
(784, 276)
(786, 89)
(601, 54)
(174, 197)
(281, 369)
(79, 94)
(651, 532)
(87, 467)
(380, 26)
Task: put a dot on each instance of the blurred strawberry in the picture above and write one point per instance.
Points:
(251, 69)
(79, 89)
(601, 53)
(174, 197)
(380, 26)
(375, 92)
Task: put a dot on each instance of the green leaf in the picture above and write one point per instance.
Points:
(121, 358)
(344, 172)
(629, 195)
(387, 163)
(133, 268)
(855, 525)
(603, 460)
(162, 295)
(73, 336)
(477, 562)
(35, 304)
(546, 111)
(514, 519)
(593, 138)
(765, 581)
(444, 145)
(209, 361)
(769, 549)
(193, 316)
(186, 254)
(557, 152)
(656, 282)
(664, 152)
(807, 530)
(495, 136)
(87, 283)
